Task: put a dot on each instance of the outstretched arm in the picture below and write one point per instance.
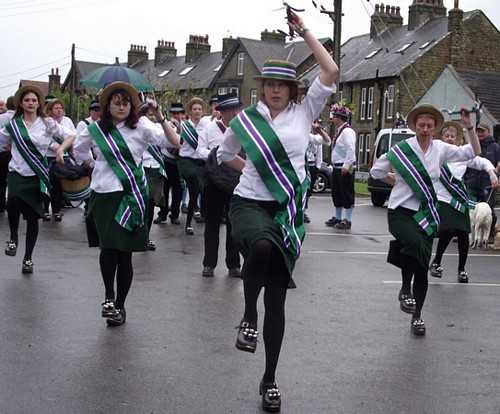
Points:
(329, 69)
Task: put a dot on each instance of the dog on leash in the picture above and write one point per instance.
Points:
(480, 220)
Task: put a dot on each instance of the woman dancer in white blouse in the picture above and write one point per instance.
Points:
(30, 132)
(117, 215)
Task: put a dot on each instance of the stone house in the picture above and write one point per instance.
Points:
(384, 72)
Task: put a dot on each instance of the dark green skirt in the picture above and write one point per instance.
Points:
(28, 190)
(414, 240)
(155, 185)
(191, 166)
(252, 221)
(452, 219)
(104, 231)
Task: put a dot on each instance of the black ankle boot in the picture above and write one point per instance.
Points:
(271, 397)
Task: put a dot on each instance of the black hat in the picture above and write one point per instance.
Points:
(94, 106)
(228, 101)
(213, 99)
(176, 107)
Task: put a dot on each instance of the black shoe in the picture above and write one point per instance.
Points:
(344, 225)
(151, 245)
(417, 326)
(184, 208)
(306, 219)
(174, 220)
(291, 283)
(46, 217)
(58, 217)
(407, 303)
(200, 219)
(463, 277)
(189, 230)
(332, 222)
(11, 248)
(436, 270)
(27, 266)
(234, 272)
(108, 308)
(208, 271)
(247, 337)
(118, 317)
(162, 218)
(271, 397)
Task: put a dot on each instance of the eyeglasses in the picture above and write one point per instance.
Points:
(120, 103)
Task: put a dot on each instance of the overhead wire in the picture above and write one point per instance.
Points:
(377, 14)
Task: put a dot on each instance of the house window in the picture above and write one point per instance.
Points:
(253, 97)
(362, 106)
(222, 90)
(186, 71)
(234, 90)
(364, 145)
(164, 73)
(369, 104)
(404, 47)
(426, 44)
(241, 62)
(390, 102)
(373, 53)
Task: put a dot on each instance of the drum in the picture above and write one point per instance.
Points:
(76, 190)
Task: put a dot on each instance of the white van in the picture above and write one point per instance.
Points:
(386, 138)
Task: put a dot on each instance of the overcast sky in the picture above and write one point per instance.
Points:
(38, 34)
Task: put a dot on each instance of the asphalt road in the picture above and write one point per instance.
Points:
(347, 349)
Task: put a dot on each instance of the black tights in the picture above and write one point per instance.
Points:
(15, 207)
(116, 263)
(411, 267)
(264, 268)
(463, 246)
(194, 190)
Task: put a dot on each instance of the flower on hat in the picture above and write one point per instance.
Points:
(341, 109)
(400, 122)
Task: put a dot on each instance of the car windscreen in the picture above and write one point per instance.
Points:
(387, 139)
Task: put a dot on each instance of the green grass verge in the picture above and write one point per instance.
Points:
(360, 188)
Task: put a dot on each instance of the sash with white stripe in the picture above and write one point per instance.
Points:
(29, 152)
(264, 148)
(189, 134)
(132, 210)
(156, 153)
(408, 165)
(460, 198)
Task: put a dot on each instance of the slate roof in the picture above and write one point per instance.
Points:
(259, 51)
(200, 77)
(355, 67)
(43, 86)
(485, 85)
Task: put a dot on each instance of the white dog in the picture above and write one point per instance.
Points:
(480, 222)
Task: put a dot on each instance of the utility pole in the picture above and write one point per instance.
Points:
(72, 81)
(336, 16)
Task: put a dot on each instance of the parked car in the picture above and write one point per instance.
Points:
(324, 179)
(386, 138)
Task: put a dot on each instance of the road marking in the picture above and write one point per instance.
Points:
(394, 282)
(385, 253)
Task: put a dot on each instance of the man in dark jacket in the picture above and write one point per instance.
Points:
(478, 182)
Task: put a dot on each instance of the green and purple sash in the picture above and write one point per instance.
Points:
(156, 153)
(408, 165)
(37, 162)
(461, 201)
(189, 134)
(264, 148)
(132, 210)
